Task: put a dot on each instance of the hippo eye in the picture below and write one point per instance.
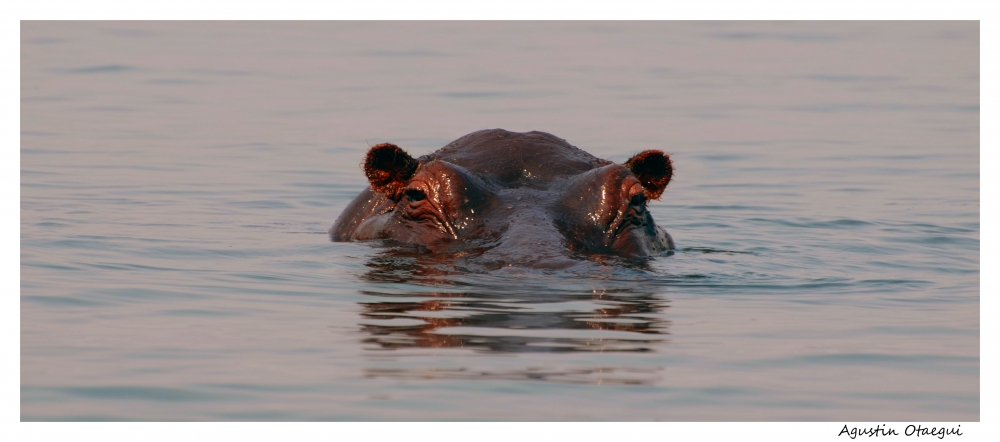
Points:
(415, 194)
(638, 200)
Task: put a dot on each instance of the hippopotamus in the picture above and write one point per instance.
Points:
(519, 199)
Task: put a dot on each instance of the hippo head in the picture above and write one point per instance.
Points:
(522, 199)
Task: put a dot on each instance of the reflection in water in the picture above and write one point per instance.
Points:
(589, 376)
(527, 311)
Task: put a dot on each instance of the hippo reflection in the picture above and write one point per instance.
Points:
(486, 322)
(543, 314)
(526, 199)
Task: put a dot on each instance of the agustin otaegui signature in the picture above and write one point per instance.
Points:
(911, 430)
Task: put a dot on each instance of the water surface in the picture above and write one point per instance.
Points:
(178, 181)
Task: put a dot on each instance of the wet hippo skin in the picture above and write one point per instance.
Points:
(521, 199)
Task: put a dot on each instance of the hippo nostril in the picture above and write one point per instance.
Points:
(638, 200)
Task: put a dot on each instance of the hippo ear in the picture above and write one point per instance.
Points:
(389, 168)
(654, 170)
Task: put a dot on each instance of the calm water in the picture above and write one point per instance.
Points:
(178, 181)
